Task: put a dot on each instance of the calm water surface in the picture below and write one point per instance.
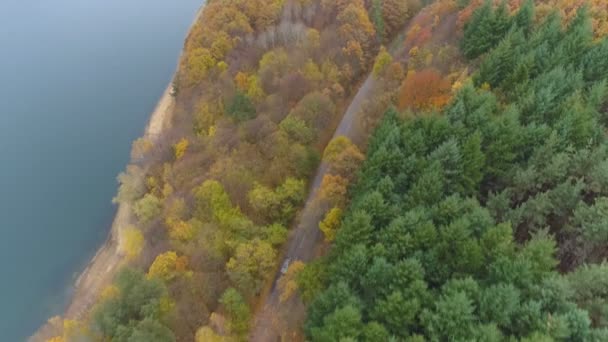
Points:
(78, 79)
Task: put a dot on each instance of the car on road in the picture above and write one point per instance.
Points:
(285, 265)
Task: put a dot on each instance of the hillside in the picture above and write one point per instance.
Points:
(260, 89)
(480, 217)
(371, 171)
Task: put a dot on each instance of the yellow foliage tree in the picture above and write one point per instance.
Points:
(163, 266)
(261, 13)
(383, 60)
(167, 190)
(213, 203)
(275, 61)
(181, 230)
(331, 71)
(166, 305)
(312, 72)
(205, 116)
(222, 66)
(221, 45)
(254, 88)
(71, 330)
(277, 205)
(330, 224)
(180, 148)
(335, 147)
(251, 264)
(167, 266)
(153, 185)
(198, 64)
(109, 292)
(206, 334)
(132, 242)
(313, 39)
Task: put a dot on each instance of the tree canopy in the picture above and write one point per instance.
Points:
(477, 222)
(137, 313)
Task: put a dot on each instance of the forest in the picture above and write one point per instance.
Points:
(485, 220)
(469, 204)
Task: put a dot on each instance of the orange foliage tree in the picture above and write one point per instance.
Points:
(421, 36)
(424, 90)
(333, 190)
(344, 157)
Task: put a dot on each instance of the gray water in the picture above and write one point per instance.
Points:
(78, 80)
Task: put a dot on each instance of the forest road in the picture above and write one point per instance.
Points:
(269, 322)
(306, 235)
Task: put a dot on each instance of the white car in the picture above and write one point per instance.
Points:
(285, 266)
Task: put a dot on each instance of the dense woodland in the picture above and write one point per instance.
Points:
(486, 220)
(260, 89)
(475, 211)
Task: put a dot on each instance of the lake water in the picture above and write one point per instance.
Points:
(78, 80)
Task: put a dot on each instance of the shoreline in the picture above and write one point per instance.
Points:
(101, 269)
(103, 266)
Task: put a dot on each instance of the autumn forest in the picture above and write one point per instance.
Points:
(371, 170)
